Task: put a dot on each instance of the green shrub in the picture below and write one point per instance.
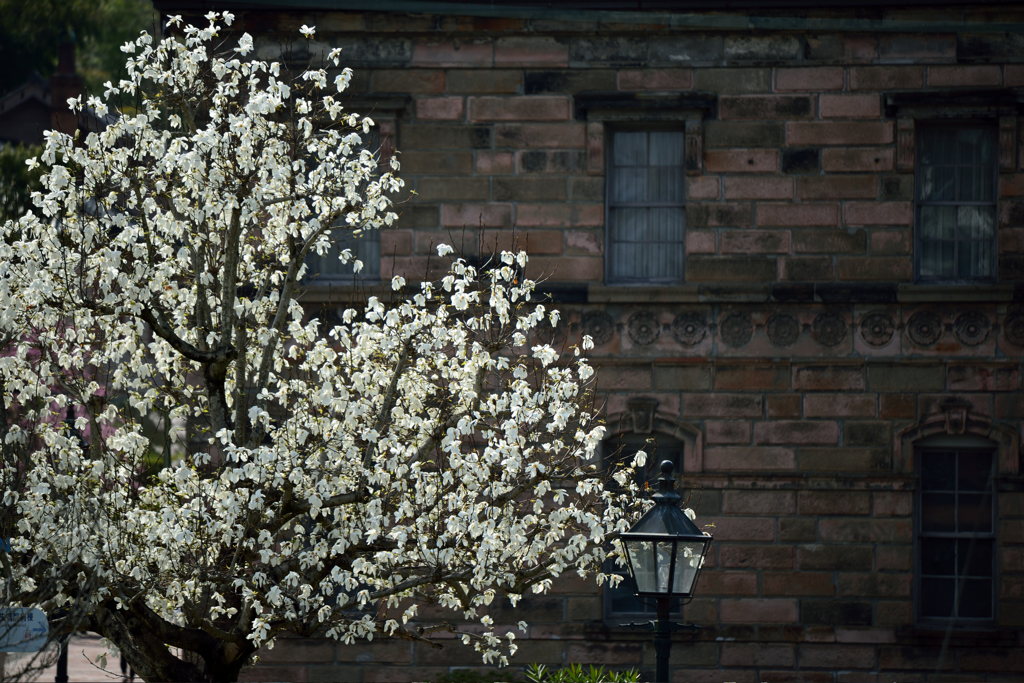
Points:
(575, 673)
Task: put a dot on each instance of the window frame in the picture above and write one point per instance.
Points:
(990, 127)
(957, 446)
(610, 132)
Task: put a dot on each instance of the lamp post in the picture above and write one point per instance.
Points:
(665, 551)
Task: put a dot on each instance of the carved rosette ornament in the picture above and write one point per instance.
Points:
(736, 329)
(924, 328)
(782, 329)
(1013, 328)
(689, 329)
(644, 328)
(829, 329)
(876, 329)
(599, 326)
(972, 328)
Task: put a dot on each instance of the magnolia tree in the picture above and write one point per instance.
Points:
(321, 481)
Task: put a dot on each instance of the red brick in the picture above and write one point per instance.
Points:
(655, 79)
(595, 148)
(722, 405)
(701, 241)
(876, 269)
(530, 51)
(787, 405)
(540, 135)
(623, 377)
(453, 54)
(806, 269)
(476, 215)
(530, 241)
(765, 107)
(727, 431)
(759, 611)
(983, 378)
(494, 163)
(896, 613)
(846, 159)
(839, 133)
(894, 557)
(878, 213)
(485, 81)
(829, 377)
(796, 432)
(758, 502)
(1011, 185)
(898, 406)
(408, 80)
(832, 657)
(751, 377)
(757, 556)
(581, 242)
(797, 584)
(757, 654)
(566, 269)
(874, 585)
(739, 528)
(1011, 240)
(890, 241)
(439, 108)
(603, 653)
(835, 557)
(748, 458)
(758, 187)
(728, 583)
(715, 675)
(886, 77)
(893, 503)
(741, 161)
(560, 214)
(849, 106)
(832, 459)
(835, 502)
(841, 405)
(810, 79)
(964, 76)
(838, 187)
(527, 108)
(704, 187)
(786, 215)
(866, 530)
(755, 242)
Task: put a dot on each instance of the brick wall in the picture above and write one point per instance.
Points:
(799, 348)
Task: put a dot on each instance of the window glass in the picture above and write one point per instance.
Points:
(955, 212)
(646, 208)
(365, 247)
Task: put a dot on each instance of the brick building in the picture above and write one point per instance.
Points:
(796, 235)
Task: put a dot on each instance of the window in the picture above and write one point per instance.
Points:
(955, 208)
(328, 269)
(620, 602)
(955, 539)
(646, 207)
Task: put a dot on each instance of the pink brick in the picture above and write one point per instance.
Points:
(843, 159)
(488, 163)
(875, 268)
(757, 557)
(838, 187)
(759, 611)
(878, 213)
(726, 431)
(759, 187)
(886, 77)
(755, 242)
(545, 135)
(530, 51)
(748, 458)
(840, 405)
(796, 432)
(810, 79)
(964, 76)
(476, 215)
(572, 269)
(560, 214)
(655, 79)
(706, 187)
(739, 528)
(893, 503)
(529, 108)
(741, 161)
(439, 108)
(787, 215)
(453, 54)
(839, 133)
(700, 242)
(584, 242)
(849, 106)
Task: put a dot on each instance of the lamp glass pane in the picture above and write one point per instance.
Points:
(641, 558)
(664, 565)
(688, 562)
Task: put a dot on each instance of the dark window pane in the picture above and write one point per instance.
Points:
(938, 146)
(974, 471)
(974, 557)
(938, 222)
(937, 556)
(938, 471)
(938, 512)
(974, 515)
(938, 259)
(667, 148)
(975, 259)
(629, 184)
(976, 599)
(937, 597)
(630, 149)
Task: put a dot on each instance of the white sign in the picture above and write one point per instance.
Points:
(22, 629)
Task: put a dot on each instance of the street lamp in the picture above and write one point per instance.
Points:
(665, 551)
